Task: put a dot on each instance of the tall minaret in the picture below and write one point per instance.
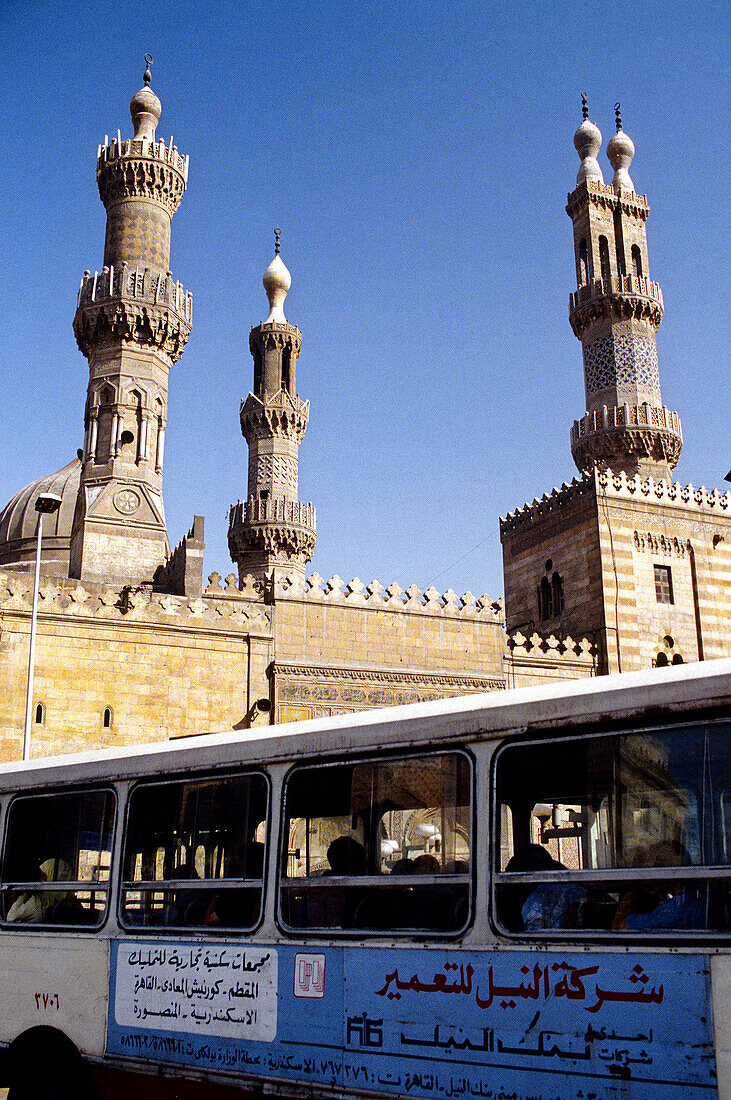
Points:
(272, 535)
(615, 313)
(132, 323)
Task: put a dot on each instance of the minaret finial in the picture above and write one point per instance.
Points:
(587, 142)
(620, 151)
(277, 239)
(147, 75)
(617, 109)
(584, 106)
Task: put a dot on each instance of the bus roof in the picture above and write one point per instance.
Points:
(493, 714)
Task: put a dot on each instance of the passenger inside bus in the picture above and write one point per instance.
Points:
(673, 904)
(36, 908)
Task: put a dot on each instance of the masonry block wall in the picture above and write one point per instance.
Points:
(122, 666)
(343, 648)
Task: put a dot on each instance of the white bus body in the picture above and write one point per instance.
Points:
(144, 958)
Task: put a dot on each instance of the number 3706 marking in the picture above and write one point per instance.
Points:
(47, 1001)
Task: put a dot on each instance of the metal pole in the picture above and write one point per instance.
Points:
(32, 654)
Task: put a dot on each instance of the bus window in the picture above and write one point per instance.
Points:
(56, 860)
(616, 833)
(194, 853)
(378, 845)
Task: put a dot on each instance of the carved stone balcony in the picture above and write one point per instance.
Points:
(627, 437)
(626, 296)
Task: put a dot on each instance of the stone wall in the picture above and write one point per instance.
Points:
(162, 665)
(344, 647)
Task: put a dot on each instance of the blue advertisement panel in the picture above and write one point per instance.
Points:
(437, 1023)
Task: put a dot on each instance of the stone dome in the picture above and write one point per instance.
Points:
(277, 281)
(19, 522)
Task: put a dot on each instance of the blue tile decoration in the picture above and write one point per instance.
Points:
(621, 361)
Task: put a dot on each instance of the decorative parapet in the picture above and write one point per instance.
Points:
(662, 491)
(626, 296)
(617, 431)
(582, 649)
(273, 526)
(136, 284)
(212, 611)
(540, 507)
(141, 168)
(617, 485)
(375, 597)
(604, 194)
(133, 304)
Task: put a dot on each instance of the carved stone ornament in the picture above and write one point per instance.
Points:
(141, 177)
(113, 320)
(126, 501)
(610, 447)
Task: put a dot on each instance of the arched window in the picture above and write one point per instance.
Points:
(286, 363)
(677, 659)
(257, 372)
(544, 599)
(637, 260)
(661, 660)
(557, 593)
(604, 259)
(107, 718)
(583, 262)
(40, 715)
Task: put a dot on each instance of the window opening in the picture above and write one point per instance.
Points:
(378, 845)
(623, 833)
(636, 261)
(286, 367)
(195, 853)
(583, 262)
(40, 714)
(604, 260)
(57, 857)
(663, 584)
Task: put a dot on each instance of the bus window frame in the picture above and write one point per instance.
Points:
(204, 885)
(108, 787)
(608, 875)
(383, 881)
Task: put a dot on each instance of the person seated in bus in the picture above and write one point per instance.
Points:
(239, 906)
(37, 907)
(551, 904)
(666, 904)
(346, 856)
(426, 864)
(185, 904)
(403, 866)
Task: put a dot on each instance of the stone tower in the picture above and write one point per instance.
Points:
(272, 535)
(132, 323)
(615, 313)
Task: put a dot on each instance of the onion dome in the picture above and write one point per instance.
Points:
(19, 522)
(145, 108)
(277, 281)
(588, 142)
(620, 151)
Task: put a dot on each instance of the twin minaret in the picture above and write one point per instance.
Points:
(615, 313)
(133, 321)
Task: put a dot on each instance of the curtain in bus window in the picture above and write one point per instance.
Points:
(57, 857)
(382, 844)
(573, 814)
(195, 852)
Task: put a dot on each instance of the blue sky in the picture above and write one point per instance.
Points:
(418, 158)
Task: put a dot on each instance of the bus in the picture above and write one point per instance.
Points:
(520, 895)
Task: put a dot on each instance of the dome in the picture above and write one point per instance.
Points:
(620, 151)
(588, 142)
(19, 522)
(277, 281)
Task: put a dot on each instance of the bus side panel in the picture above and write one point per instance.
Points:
(58, 981)
(430, 1022)
(721, 980)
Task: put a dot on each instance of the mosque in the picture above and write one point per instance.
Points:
(620, 569)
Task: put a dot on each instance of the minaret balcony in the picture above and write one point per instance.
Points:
(610, 434)
(150, 150)
(626, 296)
(134, 304)
(274, 509)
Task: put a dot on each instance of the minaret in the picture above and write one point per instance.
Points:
(615, 313)
(272, 535)
(132, 323)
